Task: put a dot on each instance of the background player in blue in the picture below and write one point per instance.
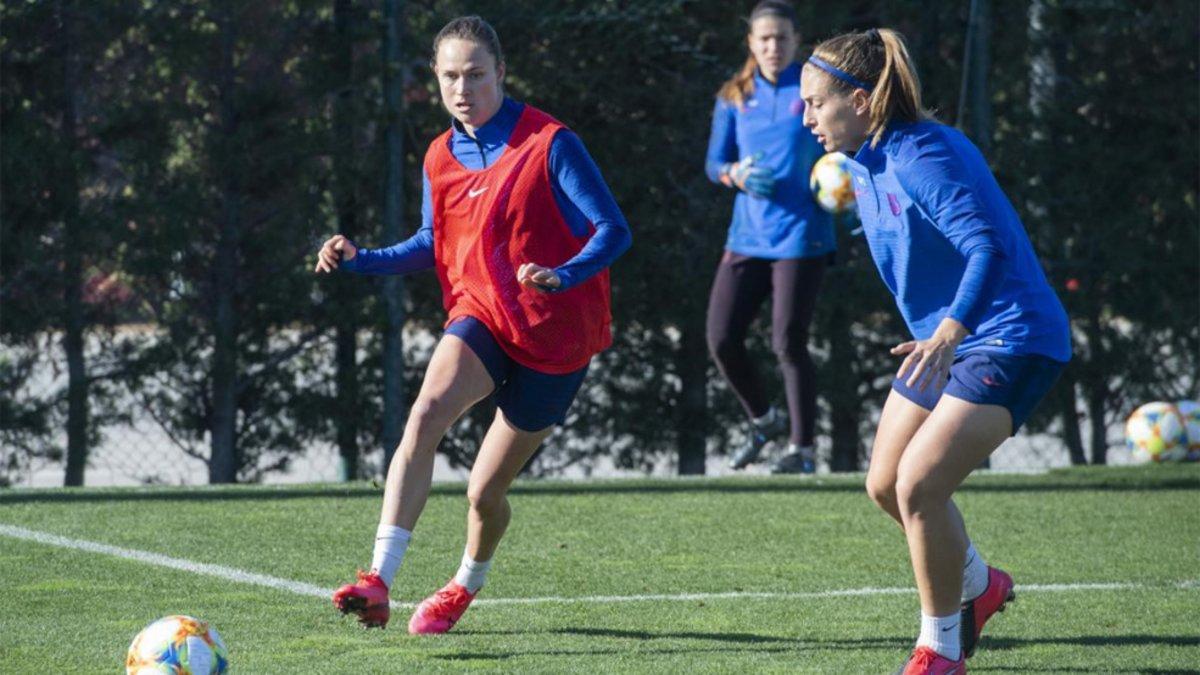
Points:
(779, 240)
(989, 335)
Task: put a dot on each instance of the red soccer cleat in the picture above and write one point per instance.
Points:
(367, 597)
(439, 612)
(925, 661)
(976, 612)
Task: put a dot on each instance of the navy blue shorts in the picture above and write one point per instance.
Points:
(1016, 381)
(531, 400)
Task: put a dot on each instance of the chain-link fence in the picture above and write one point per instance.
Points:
(132, 448)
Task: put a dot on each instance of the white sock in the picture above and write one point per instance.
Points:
(805, 451)
(472, 573)
(766, 419)
(975, 574)
(390, 544)
(941, 634)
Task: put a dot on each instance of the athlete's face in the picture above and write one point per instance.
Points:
(773, 43)
(469, 79)
(838, 119)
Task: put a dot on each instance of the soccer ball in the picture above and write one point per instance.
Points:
(179, 645)
(1190, 410)
(1157, 432)
(831, 184)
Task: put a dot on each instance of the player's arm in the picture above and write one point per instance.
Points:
(938, 181)
(722, 163)
(722, 152)
(411, 255)
(578, 180)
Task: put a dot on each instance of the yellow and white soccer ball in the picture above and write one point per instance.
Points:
(1157, 432)
(179, 645)
(832, 185)
(1190, 410)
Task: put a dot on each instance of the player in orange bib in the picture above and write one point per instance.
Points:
(521, 229)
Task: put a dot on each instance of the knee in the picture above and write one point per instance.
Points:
(882, 491)
(431, 413)
(427, 423)
(791, 348)
(916, 495)
(721, 344)
(486, 498)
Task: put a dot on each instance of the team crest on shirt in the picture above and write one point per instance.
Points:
(894, 204)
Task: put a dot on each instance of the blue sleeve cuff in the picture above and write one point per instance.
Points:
(566, 280)
(352, 265)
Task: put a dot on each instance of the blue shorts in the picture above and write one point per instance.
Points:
(531, 400)
(1017, 382)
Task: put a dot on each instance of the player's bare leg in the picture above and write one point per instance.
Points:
(953, 441)
(454, 381)
(504, 452)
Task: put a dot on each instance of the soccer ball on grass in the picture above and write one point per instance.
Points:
(179, 645)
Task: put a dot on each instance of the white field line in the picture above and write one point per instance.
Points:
(301, 588)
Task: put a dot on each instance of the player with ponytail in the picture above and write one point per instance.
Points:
(989, 335)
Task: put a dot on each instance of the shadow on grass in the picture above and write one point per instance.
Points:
(762, 485)
(773, 644)
(1107, 669)
(742, 638)
(990, 644)
(738, 643)
(1004, 643)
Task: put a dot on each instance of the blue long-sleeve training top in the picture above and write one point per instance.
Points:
(948, 243)
(582, 196)
(789, 223)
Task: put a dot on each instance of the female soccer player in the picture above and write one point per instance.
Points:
(989, 335)
(520, 227)
(779, 242)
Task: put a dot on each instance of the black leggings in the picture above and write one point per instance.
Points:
(741, 285)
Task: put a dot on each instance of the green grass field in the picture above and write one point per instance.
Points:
(582, 553)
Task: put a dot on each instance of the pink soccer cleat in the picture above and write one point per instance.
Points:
(925, 661)
(367, 597)
(976, 612)
(439, 612)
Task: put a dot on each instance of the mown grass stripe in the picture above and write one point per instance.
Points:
(301, 588)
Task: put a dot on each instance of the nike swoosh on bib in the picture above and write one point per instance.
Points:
(475, 193)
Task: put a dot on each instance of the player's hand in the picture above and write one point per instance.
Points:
(929, 361)
(543, 279)
(752, 179)
(336, 249)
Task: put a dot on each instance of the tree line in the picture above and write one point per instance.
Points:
(168, 170)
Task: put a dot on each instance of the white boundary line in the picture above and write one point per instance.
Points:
(301, 588)
(160, 560)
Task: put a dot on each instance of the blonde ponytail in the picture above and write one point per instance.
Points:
(878, 57)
